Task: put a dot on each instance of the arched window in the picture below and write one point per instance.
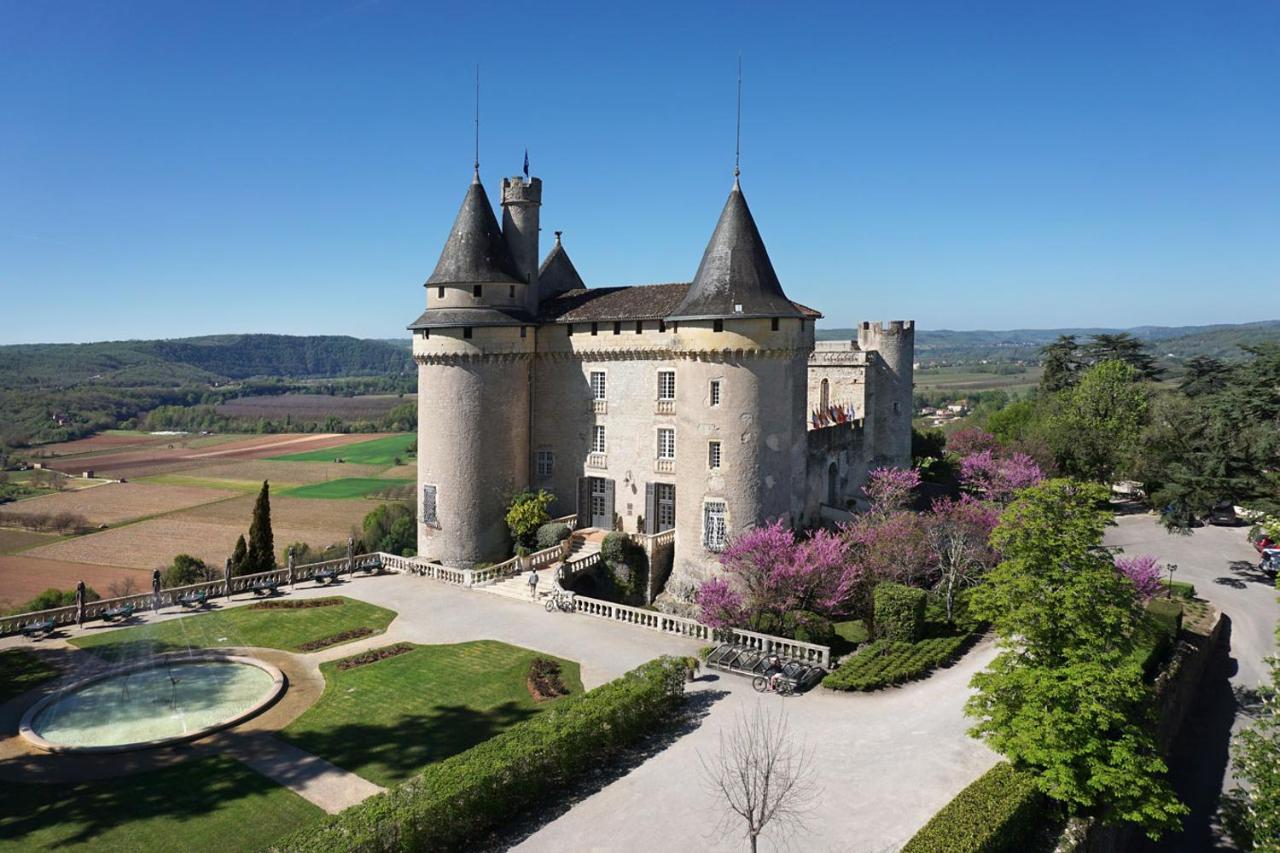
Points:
(833, 483)
(824, 395)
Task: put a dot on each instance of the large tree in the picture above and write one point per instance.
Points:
(1065, 697)
(1122, 347)
(1061, 361)
(262, 545)
(1253, 813)
(1094, 427)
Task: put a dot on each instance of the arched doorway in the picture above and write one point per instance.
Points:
(833, 484)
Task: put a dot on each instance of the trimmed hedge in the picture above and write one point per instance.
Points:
(886, 662)
(551, 534)
(899, 612)
(1000, 812)
(456, 803)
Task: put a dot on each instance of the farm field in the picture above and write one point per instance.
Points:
(338, 515)
(249, 473)
(12, 541)
(113, 503)
(379, 451)
(946, 379)
(315, 406)
(23, 577)
(352, 487)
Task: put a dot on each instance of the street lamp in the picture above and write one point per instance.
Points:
(1173, 567)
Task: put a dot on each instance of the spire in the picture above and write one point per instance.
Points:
(475, 252)
(557, 273)
(736, 277)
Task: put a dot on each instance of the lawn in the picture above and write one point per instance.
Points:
(849, 635)
(389, 719)
(345, 489)
(20, 671)
(238, 626)
(214, 804)
(379, 451)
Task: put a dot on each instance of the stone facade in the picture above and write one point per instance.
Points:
(635, 410)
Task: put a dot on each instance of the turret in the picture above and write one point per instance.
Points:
(889, 383)
(521, 199)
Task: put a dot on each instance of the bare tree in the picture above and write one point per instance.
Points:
(762, 776)
(122, 587)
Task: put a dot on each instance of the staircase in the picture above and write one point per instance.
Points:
(584, 543)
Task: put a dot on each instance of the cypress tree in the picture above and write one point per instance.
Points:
(239, 557)
(262, 546)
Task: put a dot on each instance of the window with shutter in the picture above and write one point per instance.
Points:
(429, 506)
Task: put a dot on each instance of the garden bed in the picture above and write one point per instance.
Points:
(374, 655)
(883, 663)
(296, 604)
(545, 680)
(344, 636)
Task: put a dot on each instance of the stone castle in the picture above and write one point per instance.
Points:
(700, 408)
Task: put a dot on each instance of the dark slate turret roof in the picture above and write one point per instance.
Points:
(557, 273)
(736, 277)
(638, 302)
(475, 252)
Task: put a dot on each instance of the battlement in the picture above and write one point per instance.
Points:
(518, 190)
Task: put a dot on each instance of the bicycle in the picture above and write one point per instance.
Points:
(765, 684)
(560, 600)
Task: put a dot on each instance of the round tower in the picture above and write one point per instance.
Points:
(474, 347)
(890, 369)
(521, 201)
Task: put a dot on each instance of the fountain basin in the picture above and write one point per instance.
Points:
(164, 700)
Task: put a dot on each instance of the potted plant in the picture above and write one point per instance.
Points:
(522, 557)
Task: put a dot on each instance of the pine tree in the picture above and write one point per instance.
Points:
(1123, 347)
(262, 546)
(1061, 361)
(239, 557)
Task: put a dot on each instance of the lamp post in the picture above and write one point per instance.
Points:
(1173, 567)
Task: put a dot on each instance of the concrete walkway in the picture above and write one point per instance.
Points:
(310, 777)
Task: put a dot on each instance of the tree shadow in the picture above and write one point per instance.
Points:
(1249, 572)
(1198, 758)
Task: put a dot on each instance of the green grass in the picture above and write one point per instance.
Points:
(237, 626)
(379, 451)
(214, 804)
(344, 489)
(20, 671)
(207, 482)
(389, 719)
(849, 635)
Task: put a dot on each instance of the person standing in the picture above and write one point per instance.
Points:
(80, 603)
(533, 584)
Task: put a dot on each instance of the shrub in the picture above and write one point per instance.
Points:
(455, 803)
(626, 563)
(808, 627)
(899, 612)
(391, 527)
(526, 513)
(552, 534)
(887, 662)
(51, 598)
(1000, 812)
(186, 570)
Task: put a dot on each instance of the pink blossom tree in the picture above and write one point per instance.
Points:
(1144, 572)
(998, 477)
(971, 440)
(890, 489)
(884, 547)
(721, 606)
(959, 537)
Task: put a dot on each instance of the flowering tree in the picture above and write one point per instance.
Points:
(1144, 572)
(958, 534)
(721, 605)
(998, 477)
(971, 440)
(884, 547)
(890, 489)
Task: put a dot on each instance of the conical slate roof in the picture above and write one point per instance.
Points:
(557, 273)
(475, 252)
(736, 277)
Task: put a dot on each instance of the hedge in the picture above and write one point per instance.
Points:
(899, 612)
(1000, 812)
(551, 534)
(886, 662)
(454, 804)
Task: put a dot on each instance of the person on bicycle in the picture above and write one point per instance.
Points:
(773, 668)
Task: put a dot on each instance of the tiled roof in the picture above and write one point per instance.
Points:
(476, 251)
(638, 302)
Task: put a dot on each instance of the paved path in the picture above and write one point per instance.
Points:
(310, 777)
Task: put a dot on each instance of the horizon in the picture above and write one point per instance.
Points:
(176, 172)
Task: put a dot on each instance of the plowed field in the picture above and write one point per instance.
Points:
(22, 578)
(116, 502)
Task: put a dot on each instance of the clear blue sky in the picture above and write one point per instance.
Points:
(173, 169)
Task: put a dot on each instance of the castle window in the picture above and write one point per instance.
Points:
(824, 394)
(715, 527)
(511, 292)
(524, 331)
(597, 439)
(639, 327)
(429, 506)
(597, 385)
(717, 325)
(662, 325)
(897, 407)
(569, 330)
(666, 443)
(666, 384)
(476, 291)
(773, 324)
(439, 293)
(713, 455)
(595, 327)
(715, 392)
(466, 331)
(617, 328)
(426, 334)
(546, 464)
(664, 511)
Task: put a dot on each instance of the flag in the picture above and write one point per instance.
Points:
(526, 163)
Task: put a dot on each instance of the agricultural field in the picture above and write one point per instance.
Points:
(380, 451)
(23, 577)
(113, 503)
(286, 511)
(355, 487)
(248, 474)
(12, 541)
(961, 381)
(315, 407)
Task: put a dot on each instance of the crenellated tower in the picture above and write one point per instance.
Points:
(890, 368)
(521, 200)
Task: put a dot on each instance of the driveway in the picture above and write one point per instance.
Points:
(1224, 568)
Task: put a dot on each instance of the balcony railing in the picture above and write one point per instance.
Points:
(666, 407)
(600, 407)
(664, 466)
(597, 460)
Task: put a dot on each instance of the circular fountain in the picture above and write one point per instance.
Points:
(167, 699)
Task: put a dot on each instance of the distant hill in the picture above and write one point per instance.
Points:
(1178, 342)
(203, 360)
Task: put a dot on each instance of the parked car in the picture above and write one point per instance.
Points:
(1223, 513)
(1260, 540)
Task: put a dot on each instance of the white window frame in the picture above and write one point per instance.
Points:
(666, 393)
(715, 455)
(597, 438)
(545, 464)
(716, 393)
(715, 530)
(666, 443)
(600, 392)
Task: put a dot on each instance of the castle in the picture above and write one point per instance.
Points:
(703, 408)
